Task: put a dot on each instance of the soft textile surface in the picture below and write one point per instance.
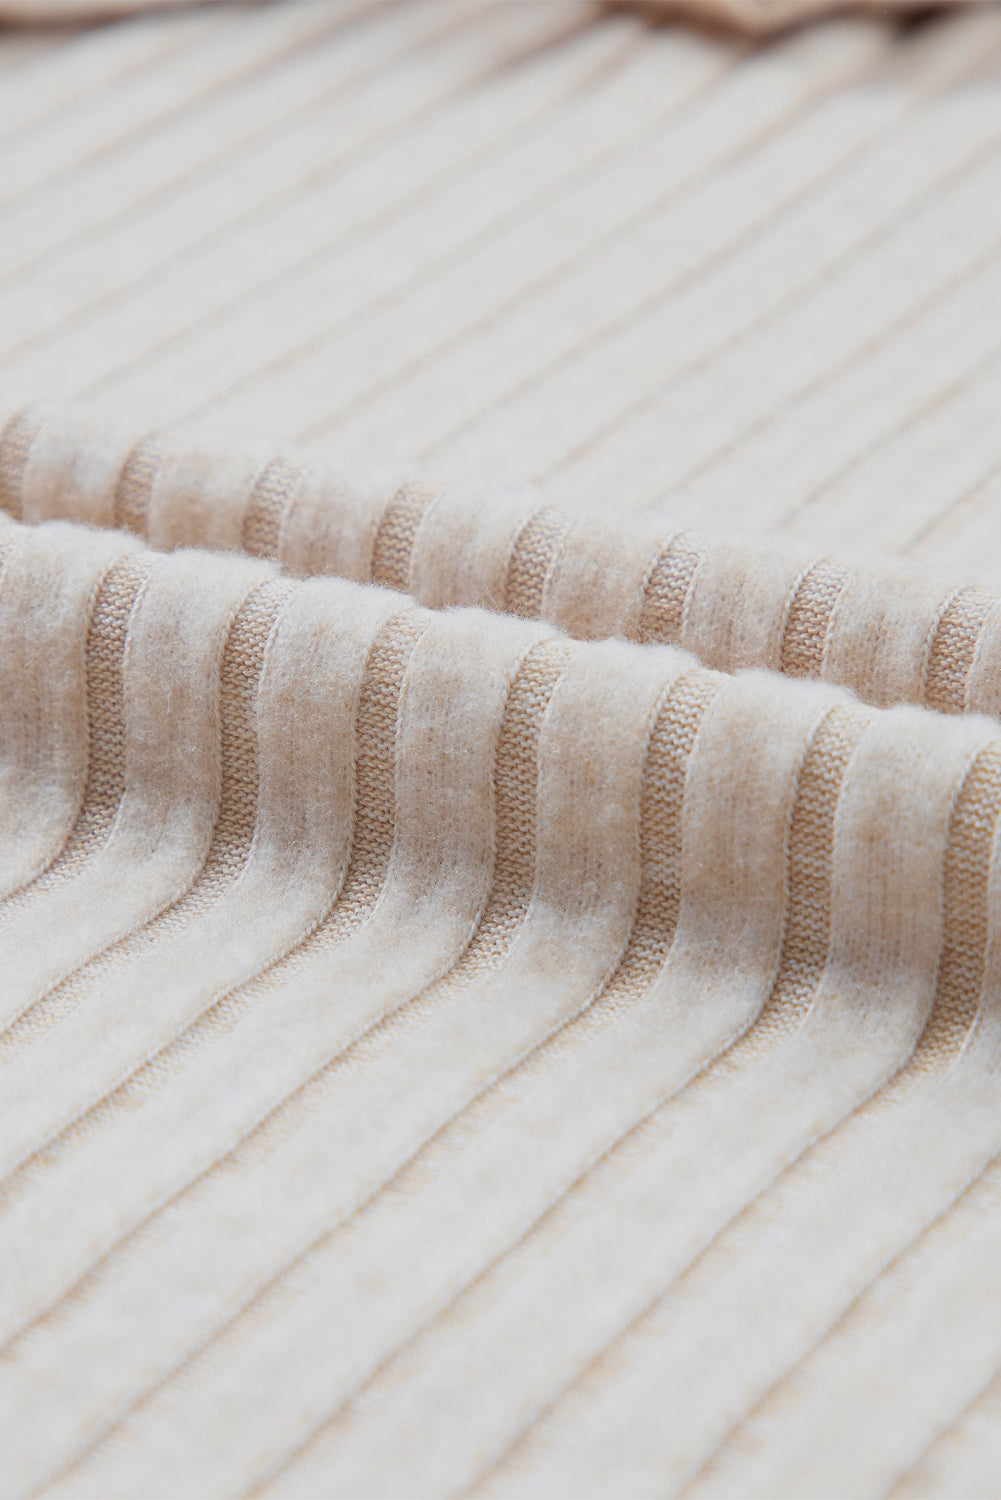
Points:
(434, 1046)
(500, 760)
(891, 633)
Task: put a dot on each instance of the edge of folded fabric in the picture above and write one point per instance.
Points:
(160, 704)
(887, 631)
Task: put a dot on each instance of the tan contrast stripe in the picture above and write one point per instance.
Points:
(666, 592)
(266, 508)
(534, 554)
(394, 540)
(808, 623)
(105, 708)
(810, 853)
(375, 782)
(239, 675)
(678, 721)
(105, 648)
(953, 646)
(135, 481)
(15, 446)
(972, 830)
(516, 782)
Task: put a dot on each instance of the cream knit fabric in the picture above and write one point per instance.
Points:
(500, 761)
(889, 632)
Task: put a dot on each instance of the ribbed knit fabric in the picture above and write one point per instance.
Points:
(891, 633)
(503, 243)
(500, 905)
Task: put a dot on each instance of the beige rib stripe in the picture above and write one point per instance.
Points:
(809, 620)
(671, 739)
(269, 500)
(105, 648)
(534, 553)
(16, 439)
(667, 590)
(969, 852)
(45, 745)
(106, 638)
(132, 491)
(807, 937)
(953, 647)
(238, 679)
(374, 775)
(394, 539)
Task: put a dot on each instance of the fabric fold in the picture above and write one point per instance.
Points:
(887, 631)
(464, 884)
(443, 883)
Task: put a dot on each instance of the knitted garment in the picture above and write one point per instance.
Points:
(500, 755)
